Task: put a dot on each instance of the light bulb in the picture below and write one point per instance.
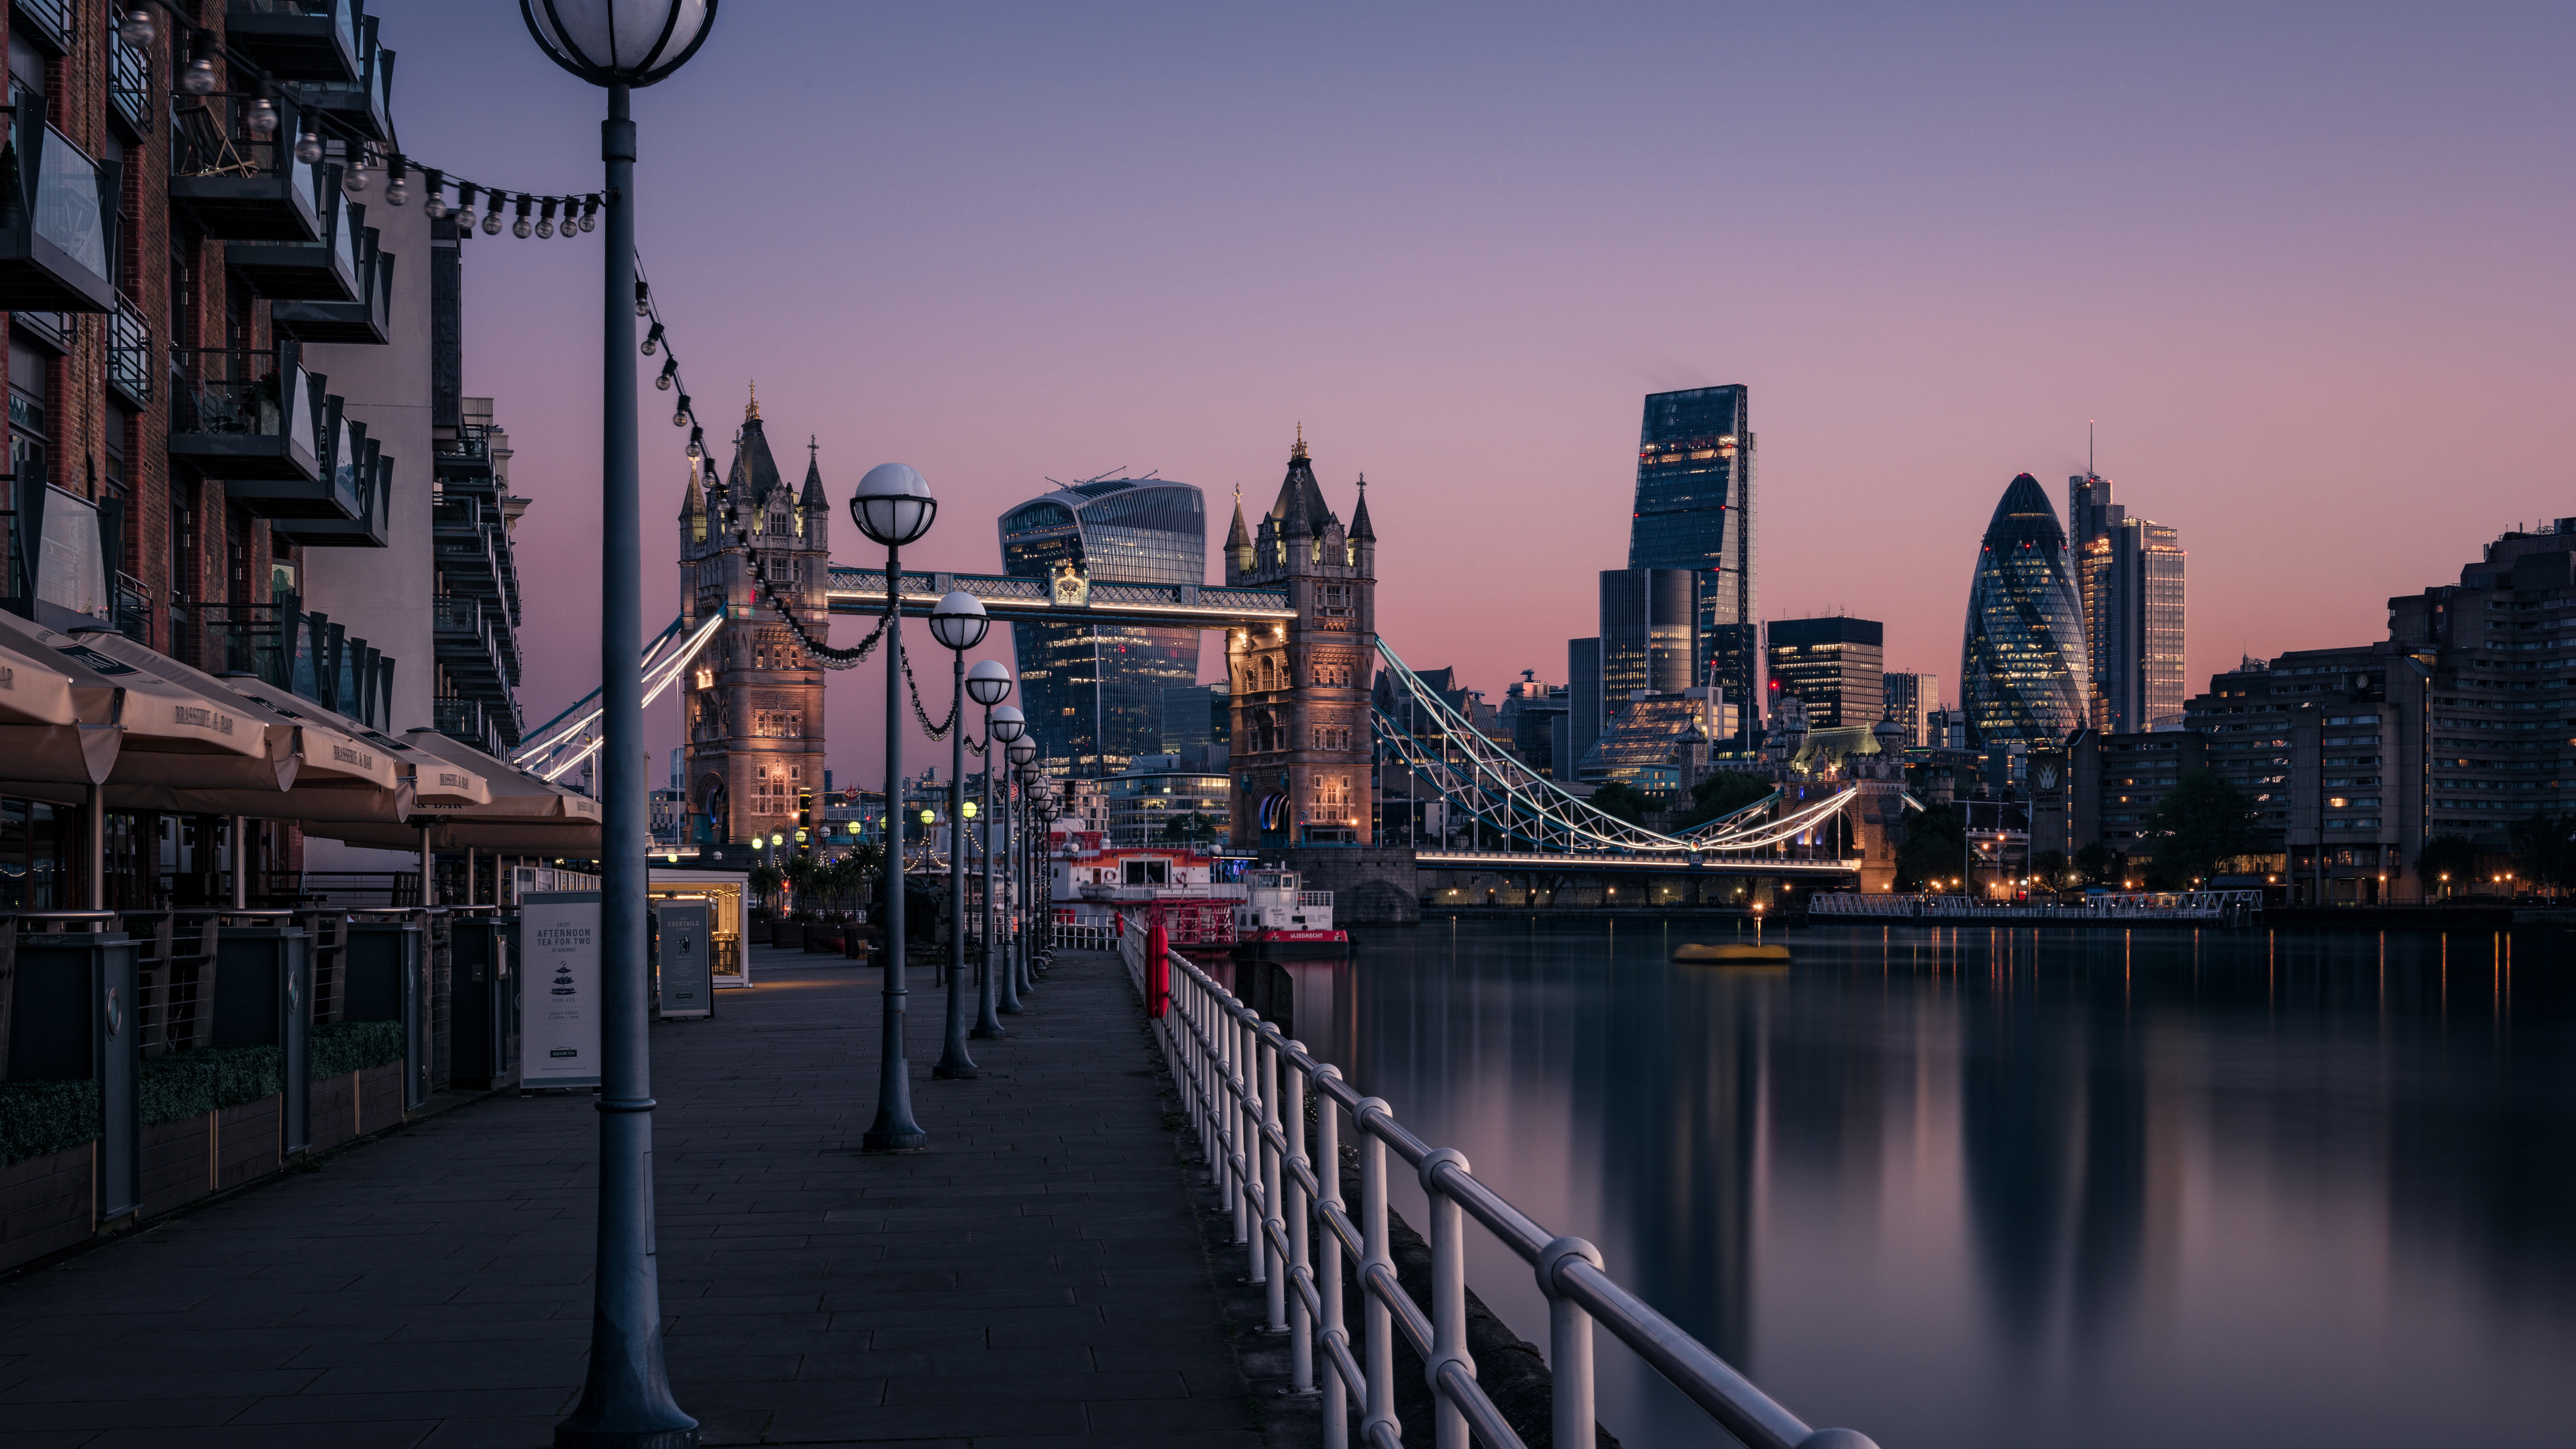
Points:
(589, 220)
(680, 415)
(653, 340)
(308, 148)
(644, 306)
(199, 78)
(353, 178)
(136, 28)
(521, 228)
(670, 370)
(492, 222)
(263, 119)
(397, 191)
(434, 207)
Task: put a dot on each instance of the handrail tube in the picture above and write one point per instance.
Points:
(1246, 1086)
(1746, 1412)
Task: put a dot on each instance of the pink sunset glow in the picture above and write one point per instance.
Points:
(2306, 268)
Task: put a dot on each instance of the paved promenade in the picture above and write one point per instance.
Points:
(1037, 1278)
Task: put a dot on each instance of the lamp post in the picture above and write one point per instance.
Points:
(1003, 725)
(1023, 755)
(625, 1397)
(959, 624)
(1041, 855)
(893, 507)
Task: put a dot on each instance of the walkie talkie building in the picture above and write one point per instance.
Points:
(2022, 674)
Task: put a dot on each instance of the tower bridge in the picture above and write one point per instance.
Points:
(1315, 738)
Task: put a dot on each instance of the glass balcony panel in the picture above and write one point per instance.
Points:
(238, 186)
(244, 415)
(302, 40)
(71, 566)
(324, 271)
(57, 226)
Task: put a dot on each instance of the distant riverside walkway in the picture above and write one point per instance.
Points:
(1038, 1277)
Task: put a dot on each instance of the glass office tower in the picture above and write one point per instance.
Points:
(1094, 693)
(2129, 577)
(1837, 666)
(1695, 510)
(2022, 673)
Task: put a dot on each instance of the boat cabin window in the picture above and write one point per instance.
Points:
(1149, 872)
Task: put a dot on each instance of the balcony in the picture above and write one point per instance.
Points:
(300, 40)
(234, 185)
(323, 271)
(133, 609)
(239, 414)
(461, 548)
(129, 355)
(333, 493)
(466, 648)
(368, 321)
(364, 105)
(57, 225)
(129, 86)
(375, 503)
(46, 22)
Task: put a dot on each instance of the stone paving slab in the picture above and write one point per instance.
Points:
(1040, 1277)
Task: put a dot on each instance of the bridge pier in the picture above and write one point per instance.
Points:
(1371, 885)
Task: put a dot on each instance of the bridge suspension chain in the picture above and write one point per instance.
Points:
(1489, 785)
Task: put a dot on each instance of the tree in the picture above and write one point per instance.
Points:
(2203, 821)
(1936, 841)
(2095, 863)
(2544, 849)
(2051, 869)
(1190, 828)
(1624, 801)
(2452, 856)
(1723, 793)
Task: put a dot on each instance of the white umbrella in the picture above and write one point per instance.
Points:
(169, 731)
(57, 737)
(520, 814)
(331, 774)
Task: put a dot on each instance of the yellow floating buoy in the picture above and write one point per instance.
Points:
(1731, 954)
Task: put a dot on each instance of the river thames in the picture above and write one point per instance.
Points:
(2022, 1187)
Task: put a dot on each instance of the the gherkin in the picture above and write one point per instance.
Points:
(2021, 666)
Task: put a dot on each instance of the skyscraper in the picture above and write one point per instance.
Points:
(2129, 577)
(1695, 510)
(1837, 666)
(1094, 692)
(1648, 621)
(2022, 673)
(1911, 699)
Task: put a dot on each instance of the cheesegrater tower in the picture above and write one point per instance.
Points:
(755, 698)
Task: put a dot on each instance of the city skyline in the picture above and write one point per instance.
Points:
(1065, 278)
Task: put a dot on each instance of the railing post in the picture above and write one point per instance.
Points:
(1236, 1086)
(1247, 1125)
(1379, 1318)
(1569, 1346)
(1296, 1210)
(1328, 1260)
(1448, 1237)
(1274, 1218)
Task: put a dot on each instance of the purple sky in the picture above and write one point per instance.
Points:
(2307, 269)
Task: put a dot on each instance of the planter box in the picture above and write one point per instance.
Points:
(45, 1204)
(246, 1144)
(335, 1110)
(178, 1163)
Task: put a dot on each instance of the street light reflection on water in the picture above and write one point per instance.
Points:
(2017, 1187)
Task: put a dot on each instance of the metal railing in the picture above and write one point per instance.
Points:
(2096, 910)
(129, 82)
(129, 353)
(1246, 1087)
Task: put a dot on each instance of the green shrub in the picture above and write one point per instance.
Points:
(186, 1084)
(37, 1118)
(341, 1047)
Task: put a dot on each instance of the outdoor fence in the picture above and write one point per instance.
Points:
(1246, 1088)
(2105, 910)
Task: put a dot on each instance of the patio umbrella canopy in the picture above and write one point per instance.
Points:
(57, 736)
(331, 773)
(169, 732)
(520, 813)
(426, 778)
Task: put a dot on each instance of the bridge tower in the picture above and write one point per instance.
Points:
(1301, 691)
(754, 699)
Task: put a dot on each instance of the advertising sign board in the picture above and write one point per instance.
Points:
(559, 1001)
(687, 988)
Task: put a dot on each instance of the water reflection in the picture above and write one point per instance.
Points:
(1965, 1187)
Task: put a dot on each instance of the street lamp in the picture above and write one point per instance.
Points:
(959, 624)
(1023, 754)
(1036, 813)
(893, 507)
(625, 1398)
(988, 683)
